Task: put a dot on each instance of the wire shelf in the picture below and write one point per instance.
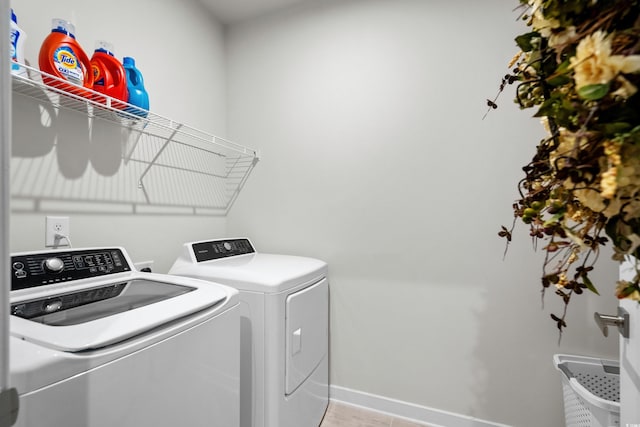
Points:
(176, 165)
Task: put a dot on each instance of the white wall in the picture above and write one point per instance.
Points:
(376, 159)
(179, 47)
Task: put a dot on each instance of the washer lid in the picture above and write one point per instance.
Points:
(102, 314)
(255, 272)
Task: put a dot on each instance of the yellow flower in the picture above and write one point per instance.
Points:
(626, 88)
(569, 143)
(591, 63)
(609, 183)
(594, 64)
(573, 257)
(562, 281)
(593, 200)
(612, 150)
(563, 37)
(538, 21)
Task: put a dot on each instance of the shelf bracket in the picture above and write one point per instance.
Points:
(155, 158)
(130, 146)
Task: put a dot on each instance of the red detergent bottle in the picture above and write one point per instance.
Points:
(109, 76)
(61, 56)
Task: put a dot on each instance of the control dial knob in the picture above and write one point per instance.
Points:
(53, 265)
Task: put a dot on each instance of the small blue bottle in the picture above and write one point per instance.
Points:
(138, 95)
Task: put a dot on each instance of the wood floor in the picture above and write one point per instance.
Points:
(339, 415)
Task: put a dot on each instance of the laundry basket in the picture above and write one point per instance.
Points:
(591, 389)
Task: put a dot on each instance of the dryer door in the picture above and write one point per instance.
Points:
(307, 329)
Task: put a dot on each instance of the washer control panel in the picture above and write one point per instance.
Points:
(216, 249)
(46, 268)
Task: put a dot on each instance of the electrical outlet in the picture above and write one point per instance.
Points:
(144, 266)
(56, 225)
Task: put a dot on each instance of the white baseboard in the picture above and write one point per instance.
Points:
(408, 411)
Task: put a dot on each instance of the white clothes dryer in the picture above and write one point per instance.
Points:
(95, 343)
(284, 322)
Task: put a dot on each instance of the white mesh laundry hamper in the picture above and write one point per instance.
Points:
(591, 389)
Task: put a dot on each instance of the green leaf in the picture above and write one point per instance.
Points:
(558, 80)
(589, 284)
(560, 75)
(525, 41)
(564, 67)
(548, 108)
(634, 137)
(615, 128)
(594, 92)
(555, 218)
(628, 290)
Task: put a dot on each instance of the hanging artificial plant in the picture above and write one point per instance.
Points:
(579, 68)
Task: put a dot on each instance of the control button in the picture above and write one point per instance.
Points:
(18, 265)
(227, 246)
(52, 305)
(20, 274)
(54, 265)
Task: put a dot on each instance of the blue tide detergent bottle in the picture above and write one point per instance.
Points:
(138, 95)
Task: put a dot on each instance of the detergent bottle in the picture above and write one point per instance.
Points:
(62, 56)
(18, 37)
(109, 76)
(138, 95)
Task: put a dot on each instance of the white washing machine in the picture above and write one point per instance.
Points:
(95, 343)
(284, 322)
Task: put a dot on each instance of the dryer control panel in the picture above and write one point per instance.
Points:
(46, 268)
(216, 249)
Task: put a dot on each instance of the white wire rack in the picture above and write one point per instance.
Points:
(168, 163)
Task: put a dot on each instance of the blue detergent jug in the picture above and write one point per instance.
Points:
(138, 95)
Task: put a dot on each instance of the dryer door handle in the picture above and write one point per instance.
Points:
(296, 346)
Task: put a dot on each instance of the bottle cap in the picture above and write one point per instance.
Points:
(103, 46)
(127, 60)
(63, 26)
(14, 18)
